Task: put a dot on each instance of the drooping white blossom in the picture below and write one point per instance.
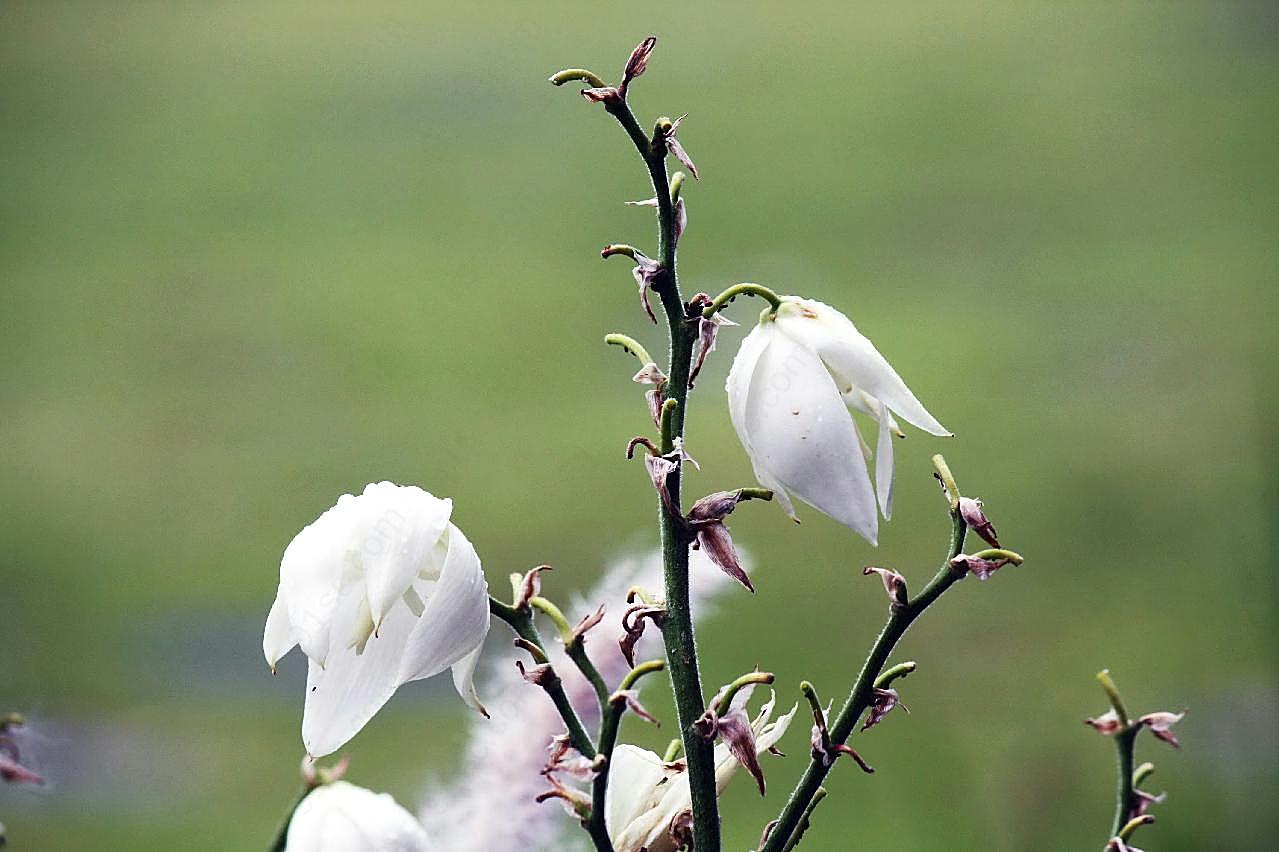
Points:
(341, 817)
(646, 795)
(791, 386)
(378, 591)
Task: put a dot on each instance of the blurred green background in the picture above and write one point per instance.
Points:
(254, 255)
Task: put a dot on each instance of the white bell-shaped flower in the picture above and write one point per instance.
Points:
(341, 817)
(645, 794)
(379, 590)
(790, 389)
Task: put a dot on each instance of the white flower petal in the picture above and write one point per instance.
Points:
(852, 358)
(278, 638)
(312, 571)
(798, 431)
(884, 463)
(353, 685)
(633, 794)
(398, 527)
(464, 679)
(341, 817)
(456, 618)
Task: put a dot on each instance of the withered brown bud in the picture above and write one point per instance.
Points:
(575, 802)
(981, 568)
(736, 732)
(542, 675)
(646, 272)
(707, 331)
(881, 702)
(970, 509)
(637, 63)
(633, 625)
(1107, 723)
(630, 697)
(531, 586)
(716, 542)
(675, 149)
(601, 94)
(681, 829)
(894, 584)
(1160, 725)
(660, 467)
(587, 622)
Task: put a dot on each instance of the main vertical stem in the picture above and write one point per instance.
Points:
(677, 630)
(1124, 747)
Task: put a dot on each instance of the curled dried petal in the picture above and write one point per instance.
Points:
(630, 697)
(601, 94)
(681, 829)
(881, 702)
(660, 467)
(735, 730)
(1145, 800)
(587, 622)
(540, 675)
(653, 397)
(894, 584)
(1160, 725)
(650, 374)
(1107, 723)
(982, 568)
(681, 220)
(970, 509)
(708, 330)
(716, 541)
(714, 507)
(857, 758)
(531, 586)
(646, 271)
(633, 625)
(637, 63)
(575, 802)
(677, 151)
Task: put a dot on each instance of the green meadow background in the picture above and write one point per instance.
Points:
(254, 255)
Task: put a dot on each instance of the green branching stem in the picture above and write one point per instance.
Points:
(521, 621)
(722, 300)
(574, 648)
(677, 629)
(610, 723)
(806, 819)
(1125, 741)
(1125, 747)
(899, 620)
